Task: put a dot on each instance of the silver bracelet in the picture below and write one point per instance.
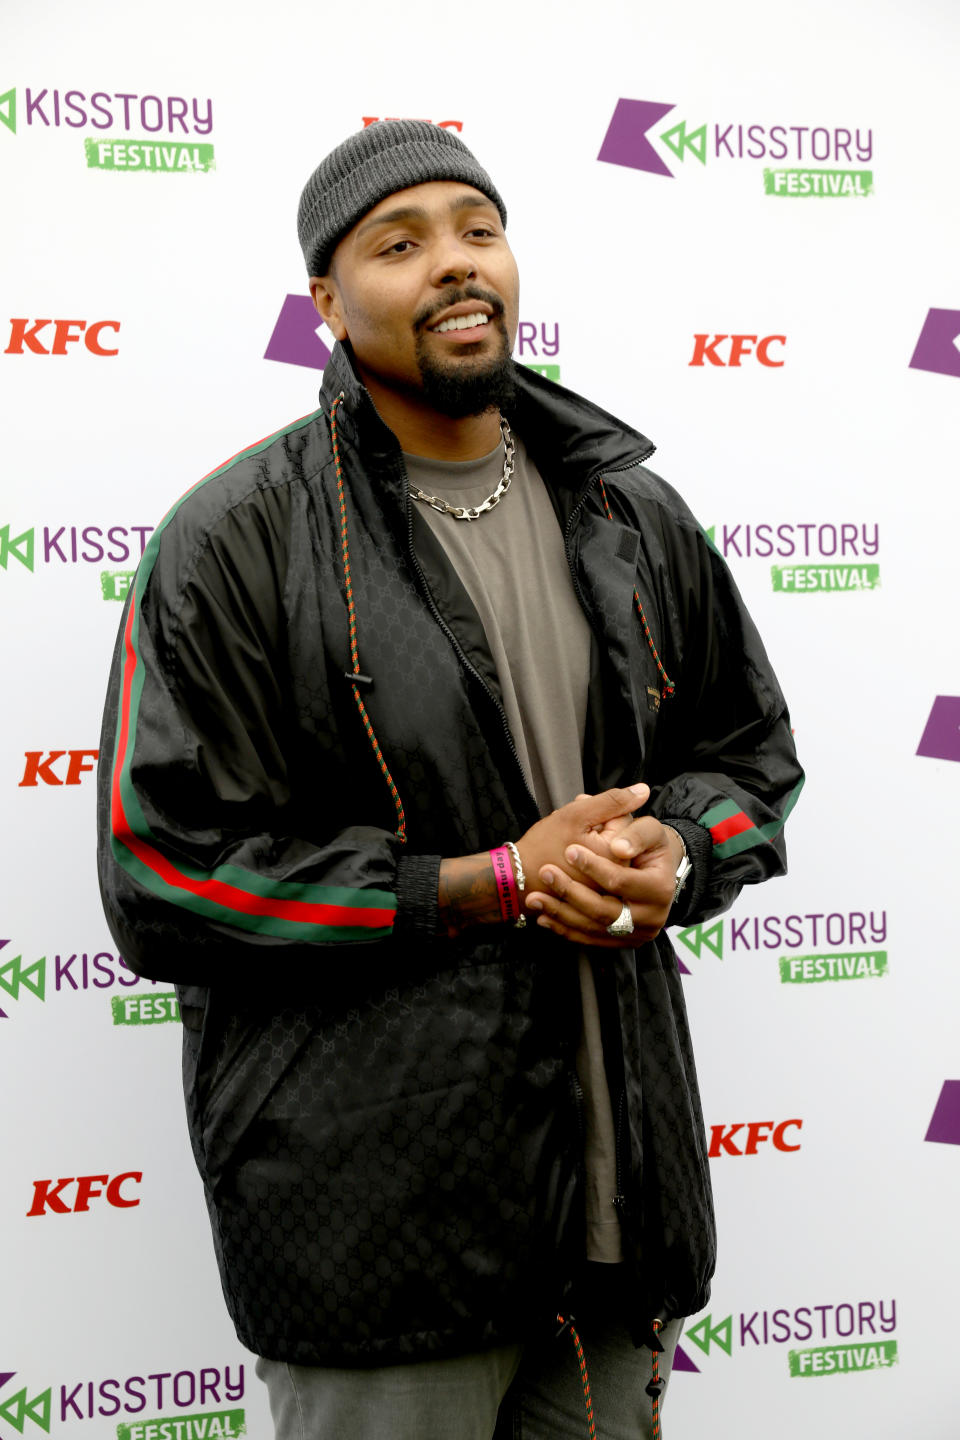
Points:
(521, 922)
(683, 869)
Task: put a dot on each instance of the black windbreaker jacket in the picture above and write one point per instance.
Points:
(387, 1122)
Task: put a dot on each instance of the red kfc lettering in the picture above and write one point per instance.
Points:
(739, 346)
(37, 768)
(754, 1135)
(88, 1188)
(720, 1140)
(114, 1195)
(702, 350)
(62, 336)
(759, 1132)
(20, 336)
(49, 1196)
(26, 333)
(780, 1131)
(763, 349)
(706, 348)
(45, 1197)
(92, 337)
(77, 768)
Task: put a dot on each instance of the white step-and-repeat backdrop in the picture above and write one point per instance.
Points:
(737, 227)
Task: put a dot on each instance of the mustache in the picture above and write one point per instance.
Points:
(457, 296)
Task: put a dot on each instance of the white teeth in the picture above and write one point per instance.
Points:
(461, 322)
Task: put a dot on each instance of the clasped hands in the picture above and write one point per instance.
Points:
(584, 861)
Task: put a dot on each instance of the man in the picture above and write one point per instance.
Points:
(391, 688)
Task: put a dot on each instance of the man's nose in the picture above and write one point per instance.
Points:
(453, 264)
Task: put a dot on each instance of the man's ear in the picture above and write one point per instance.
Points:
(326, 301)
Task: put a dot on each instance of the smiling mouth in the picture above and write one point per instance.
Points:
(460, 322)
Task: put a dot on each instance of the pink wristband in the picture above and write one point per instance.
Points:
(507, 892)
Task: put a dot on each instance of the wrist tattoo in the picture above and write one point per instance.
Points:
(467, 893)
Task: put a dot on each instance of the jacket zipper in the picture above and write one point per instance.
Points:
(578, 1099)
(620, 1199)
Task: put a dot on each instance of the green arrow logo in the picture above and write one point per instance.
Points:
(704, 1332)
(18, 1409)
(696, 936)
(8, 110)
(32, 978)
(21, 546)
(679, 141)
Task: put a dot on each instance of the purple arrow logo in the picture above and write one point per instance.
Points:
(938, 348)
(941, 737)
(4, 1016)
(6, 1374)
(295, 339)
(626, 143)
(945, 1125)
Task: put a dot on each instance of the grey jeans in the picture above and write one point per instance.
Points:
(532, 1392)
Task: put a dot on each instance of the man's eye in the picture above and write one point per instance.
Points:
(398, 247)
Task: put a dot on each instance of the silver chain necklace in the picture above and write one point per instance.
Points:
(473, 512)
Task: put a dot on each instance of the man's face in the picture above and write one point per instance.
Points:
(425, 288)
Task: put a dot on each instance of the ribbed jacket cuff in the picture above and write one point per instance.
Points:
(700, 850)
(418, 878)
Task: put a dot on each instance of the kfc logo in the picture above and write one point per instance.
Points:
(39, 767)
(48, 1195)
(724, 1138)
(440, 124)
(25, 336)
(706, 349)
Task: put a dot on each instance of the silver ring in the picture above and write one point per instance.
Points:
(623, 925)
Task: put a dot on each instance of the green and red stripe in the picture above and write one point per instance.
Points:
(732, 830)
(228, 894)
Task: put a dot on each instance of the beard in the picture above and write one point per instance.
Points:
(464, 386)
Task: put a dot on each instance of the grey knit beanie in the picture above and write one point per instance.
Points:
(387, 156)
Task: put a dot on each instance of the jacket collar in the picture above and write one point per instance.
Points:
(569, 438)
(357, 417)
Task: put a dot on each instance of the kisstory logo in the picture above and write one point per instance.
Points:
(194, 1390)
(80, 971)
(176, 116)
(627, 143)
(806, 541)
(77, 545)
(867, 1320)
(854, 938)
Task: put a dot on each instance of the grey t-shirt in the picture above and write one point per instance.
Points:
(513, 566)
